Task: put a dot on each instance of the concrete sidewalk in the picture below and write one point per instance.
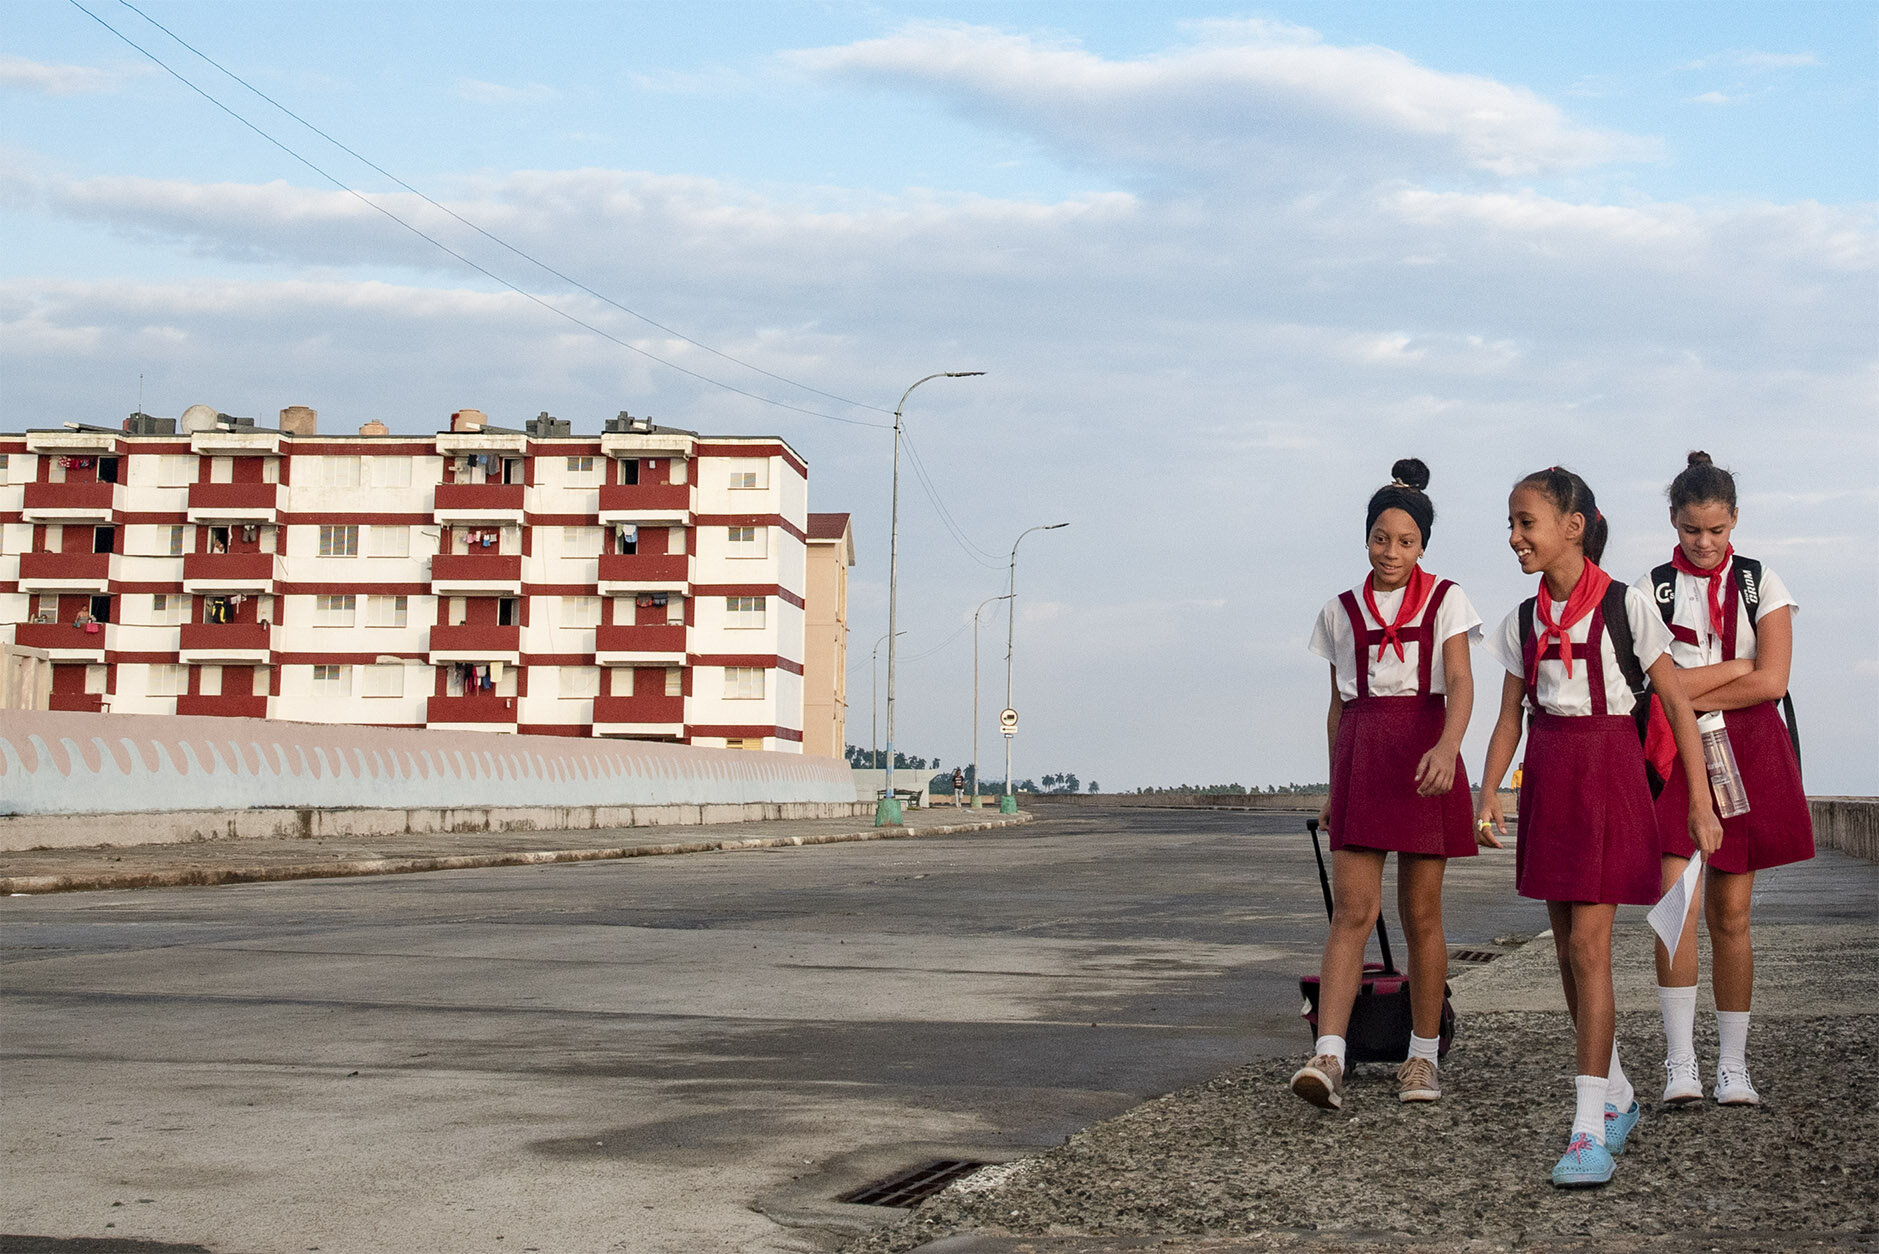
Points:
(207, 862)
(1239, 1166)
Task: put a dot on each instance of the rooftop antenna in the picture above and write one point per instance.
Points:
(140, 391)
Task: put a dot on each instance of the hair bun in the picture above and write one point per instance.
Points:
(1411, 473)
(1699, 458)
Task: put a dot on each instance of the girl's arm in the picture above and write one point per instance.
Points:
(1705, 827)
(1698, 680)
(1330, 738)
(1435, 774)
(1501, 746)
(1767, 676)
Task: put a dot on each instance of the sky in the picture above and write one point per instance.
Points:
(1221, 266)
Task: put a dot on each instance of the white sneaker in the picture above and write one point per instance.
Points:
(1733, 1087)
(1682, 1082)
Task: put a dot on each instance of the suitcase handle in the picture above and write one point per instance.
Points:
(1324, 882)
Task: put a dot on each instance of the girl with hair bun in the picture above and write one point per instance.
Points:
(1576, 655)
(1731, 623)
(1401, 691)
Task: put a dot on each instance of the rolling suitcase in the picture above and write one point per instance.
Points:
(1380, 1018)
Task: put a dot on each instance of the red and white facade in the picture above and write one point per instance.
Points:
(645, 582)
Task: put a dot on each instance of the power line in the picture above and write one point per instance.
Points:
(988, 560)
(480, 269)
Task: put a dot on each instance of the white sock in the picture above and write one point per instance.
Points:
(1425, 1047)
(1679, 1009)
(1332, 1045)
(1618, 1090)
(1588, 1116)
(1733, 1027)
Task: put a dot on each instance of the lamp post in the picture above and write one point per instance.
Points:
(975, 694)
(874, 703)
(1008, 804)
(887, 810)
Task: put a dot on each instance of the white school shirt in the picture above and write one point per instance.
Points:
(1333, 640)
(1572, 697)
(1692, 611)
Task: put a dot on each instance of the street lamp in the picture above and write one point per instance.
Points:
(887, 810)
(975, 694)
(1008, 804)
(874, 703)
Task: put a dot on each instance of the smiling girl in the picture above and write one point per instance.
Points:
(1576, 654)
(1731, 622)
(1401, 692)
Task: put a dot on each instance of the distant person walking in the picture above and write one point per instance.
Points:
(1402, 688)
(1576, 655)
(959, 788)
(1731, 623)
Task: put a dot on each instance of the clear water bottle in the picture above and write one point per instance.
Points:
(1725, 778)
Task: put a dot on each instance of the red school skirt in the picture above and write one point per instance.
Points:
(1373, 781)
(1587, 831)
(1777, 829)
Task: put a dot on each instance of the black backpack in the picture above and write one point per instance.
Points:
(1746, 575)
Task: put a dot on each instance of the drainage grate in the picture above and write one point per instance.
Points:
(908, 1189)
(1472, 955)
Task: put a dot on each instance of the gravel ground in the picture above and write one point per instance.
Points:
(1240, 1156)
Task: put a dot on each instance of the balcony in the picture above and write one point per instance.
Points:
(228, 572)
(478, 502)
(481, 708)
(666, 713)
(646, 502)
(79, 702)
(476, 642)
(65, 572)
(89, 501)
(635, 571)
(225, 642)
(621, 643)
(63, 641)
(476, 572)
(233, 502)
(223, 706)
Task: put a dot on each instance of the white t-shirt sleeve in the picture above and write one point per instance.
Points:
(1775, 594)
(1324, 634)
(1503, 643)
(1650, 638)
(1456, 616)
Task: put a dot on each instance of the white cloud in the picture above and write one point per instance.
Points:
(1247, 101)
(58, 80)
(1713, 97)
(1753, 60)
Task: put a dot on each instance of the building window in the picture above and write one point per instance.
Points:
(744, 611)
(580, 611)
(675, 610)
(332, 681)
(629, 470)
(334, 610)
(580, 467)
(580, 681)
(167, 679)
(176, 541)
(756, 477)
(674, 681)
(389, 541)
(339, 539)
(391, 472)
(167, 609)
(745, 541)
(340, 472)
(384, 680)
(743, 683)
(385, 611)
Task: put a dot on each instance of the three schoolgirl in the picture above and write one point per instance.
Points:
(1582, 656)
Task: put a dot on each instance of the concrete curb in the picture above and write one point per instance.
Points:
(208, 876)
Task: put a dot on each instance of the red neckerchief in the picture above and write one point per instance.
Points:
(1583, 599)
(1714, 578)
(1415, 592)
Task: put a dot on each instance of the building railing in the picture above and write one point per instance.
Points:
(644, 567)
(89, 568)
(94, 498)
(626, 498)
(223, 705)
(495, 498)
(460, 568)
(479, 707)
(235, 569)
(645, 711)
(488, 638)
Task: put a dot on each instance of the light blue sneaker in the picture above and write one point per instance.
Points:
(1618, 1126)
(1585, 1164)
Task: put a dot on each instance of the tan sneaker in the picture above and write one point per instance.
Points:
(1321, 1082)
(1416, 1081)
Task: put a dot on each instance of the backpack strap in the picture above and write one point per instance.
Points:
(1747, 577)
(1664, 596)
(1618, 627)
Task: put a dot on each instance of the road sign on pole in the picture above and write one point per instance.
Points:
(1008, 721)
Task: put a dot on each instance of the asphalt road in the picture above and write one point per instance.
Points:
(677, 1054)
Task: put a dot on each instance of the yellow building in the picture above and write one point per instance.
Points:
(831, 551)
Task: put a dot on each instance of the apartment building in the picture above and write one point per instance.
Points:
(642, 582)
(831, 542)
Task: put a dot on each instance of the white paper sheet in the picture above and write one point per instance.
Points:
(1668, 915)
